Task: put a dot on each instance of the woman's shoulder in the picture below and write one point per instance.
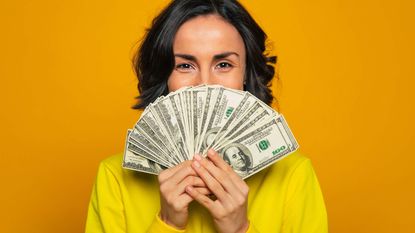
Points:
(113, 161)
(112, 164)
(111, 168)
(291, 161)
(284, 168)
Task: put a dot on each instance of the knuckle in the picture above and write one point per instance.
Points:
(187, 169)
(221, 214)
(222, 176)
(170, 201)
(189, 180)
(176, 206)
(240, 201)
(205, 201)
(245, 190)
(216, 157)
(228, 168)
(214, 186)
(210, 161)
(191, 171)
(231, 207)
(213, 157)
(203, 191)
(163, 188)
(203, 162)
(198, 181)
(160, 177)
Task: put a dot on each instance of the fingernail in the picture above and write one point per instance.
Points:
(211, 152)
(196, 163)
(197, 157)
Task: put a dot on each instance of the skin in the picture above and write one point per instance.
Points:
(208, 50)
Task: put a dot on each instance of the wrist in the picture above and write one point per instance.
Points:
(244, 227)
(164, 217)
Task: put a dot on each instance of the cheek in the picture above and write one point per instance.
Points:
(234, 80)
(177, 81)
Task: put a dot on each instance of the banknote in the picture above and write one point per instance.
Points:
(134, 161)
(257, 149)
(247, 133)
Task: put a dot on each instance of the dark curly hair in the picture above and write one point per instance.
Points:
(154, 60)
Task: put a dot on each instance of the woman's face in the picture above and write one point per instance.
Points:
(208, 50)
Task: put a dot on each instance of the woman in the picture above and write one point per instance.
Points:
(194, 42)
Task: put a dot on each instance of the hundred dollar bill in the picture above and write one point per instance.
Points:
(198, 100)
(213, 97)
(154, 154)
(144, 129)
(223, 109)
(159, 132)
(186, 99)
(250, 119)
(166, 114)
(134, 161)
(256, 150)
(179, 109)
(244, 104)
(158, 111)
(248, 108)
(177, 123)
(183, 113)
(252, 108)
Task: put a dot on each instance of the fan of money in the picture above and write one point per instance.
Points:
(247, 133)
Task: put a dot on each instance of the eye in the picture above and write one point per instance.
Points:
(184, 66)
(224, 65)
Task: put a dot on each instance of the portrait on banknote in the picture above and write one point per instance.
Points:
(238, 157)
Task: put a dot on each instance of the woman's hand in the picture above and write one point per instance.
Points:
(174, 200)
(230, 207)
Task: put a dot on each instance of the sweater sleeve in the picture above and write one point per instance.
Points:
(252, 229)
(106, 211)
(304, 207)
(158, 226)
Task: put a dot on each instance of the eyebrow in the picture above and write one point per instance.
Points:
(215, 57)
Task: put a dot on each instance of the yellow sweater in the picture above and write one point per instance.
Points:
(284, 197)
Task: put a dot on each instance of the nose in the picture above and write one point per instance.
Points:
(205, 77)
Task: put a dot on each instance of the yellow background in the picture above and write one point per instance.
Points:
(346, 90)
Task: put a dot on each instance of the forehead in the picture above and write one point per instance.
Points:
(208, 34)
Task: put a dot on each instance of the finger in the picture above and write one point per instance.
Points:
(202, 190)
(189, 180)
(201, 198)
(221, 176)
(198, 182)
(211, 182)
(181, 201)
(166, 174)
(181, 173)
(220, 163)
